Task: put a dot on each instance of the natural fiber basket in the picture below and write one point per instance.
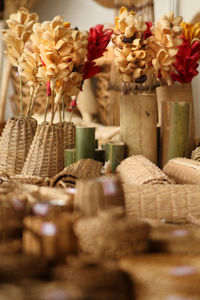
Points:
(164, 277)
(94, 195)
(196, 154)
(169, 202)
(112, 235)
(99, 280)
(82, 169)
(69, 135)
(15, 142)
(51, 237)
(139, 170)
(176, 239)
(46, 154)
(183, 170)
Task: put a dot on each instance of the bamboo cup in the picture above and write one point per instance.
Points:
(174, 93)
(175, 124)
(85, 142)
(138, 125)
(115, 153)
(69, 156)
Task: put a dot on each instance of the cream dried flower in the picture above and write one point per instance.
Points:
(128, 23)
(131, 54)
(18, 33)
(62, 49)
(29, 64)
(163, 45)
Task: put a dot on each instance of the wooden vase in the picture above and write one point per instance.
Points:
(138, 125)
(174, 93)
(15, 142)
(46, 154)
(175, 125)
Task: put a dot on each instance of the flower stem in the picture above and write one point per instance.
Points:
(34, 98)
(60, 115)
(63, 108)
(29, 103)
(70, 118)
(46, 108)
(21, 96)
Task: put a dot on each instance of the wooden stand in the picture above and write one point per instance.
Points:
(138, 125)
(174, 130)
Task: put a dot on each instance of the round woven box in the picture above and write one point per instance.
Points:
(15, 142)
(46, 154)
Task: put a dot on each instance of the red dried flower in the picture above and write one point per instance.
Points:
(186, 62)
(148, 32)
(98, 40)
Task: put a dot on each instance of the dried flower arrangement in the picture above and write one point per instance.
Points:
(54, 53)
(20, 28)
(131, 47)
(170, 49)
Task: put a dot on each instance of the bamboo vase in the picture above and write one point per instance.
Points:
(46, 154)
(175, 124)
(174, 93)
(138, 125)
(15, 142)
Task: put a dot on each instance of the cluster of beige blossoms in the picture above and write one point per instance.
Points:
(48, 51)
(20, 26)
(130, 48)
(163, 44)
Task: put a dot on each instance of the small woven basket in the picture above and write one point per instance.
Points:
(15, 142)
(69, 132)
(46, 155)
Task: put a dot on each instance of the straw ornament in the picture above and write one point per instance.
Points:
(191, 31)
(18, 33)
(62, 52)
(163, 45)
(131, 55)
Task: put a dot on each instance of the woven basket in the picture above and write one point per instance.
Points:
(164, 277)
(15, 142)
(175, 239)
(183, 170)
(82, 169)
(54, 245)
(46, 154)
(139, 170)
(99, 280)
(94, 195)
(169, 202)
(112, 235)
(69, 133)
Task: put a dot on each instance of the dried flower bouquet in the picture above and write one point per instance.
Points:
(62, 57)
